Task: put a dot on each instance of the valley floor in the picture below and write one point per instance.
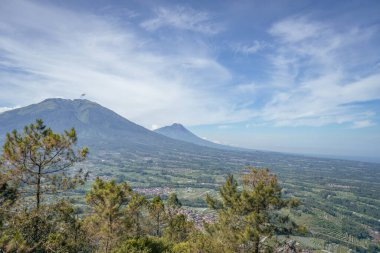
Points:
(340, 199)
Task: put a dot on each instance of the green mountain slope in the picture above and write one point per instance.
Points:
(97, 126)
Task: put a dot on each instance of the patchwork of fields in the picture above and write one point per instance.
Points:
(340, 199)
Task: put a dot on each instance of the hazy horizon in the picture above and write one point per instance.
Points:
(293, 76)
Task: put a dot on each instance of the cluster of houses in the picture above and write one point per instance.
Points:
(154, 191)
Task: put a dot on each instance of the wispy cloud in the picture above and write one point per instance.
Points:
(297, 29)
(312, 67)
(4, 109)
(62, 53)
(249, 48)
(312, 75)
(247, 88)
(363, 123)
(184, 18)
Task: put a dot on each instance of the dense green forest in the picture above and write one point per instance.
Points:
(35, 215)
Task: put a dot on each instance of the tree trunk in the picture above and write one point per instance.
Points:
(109, 237)
(138, 228)
(107, 244)
(256, 242)
(38, 200)
(158, 224)
(38, 194)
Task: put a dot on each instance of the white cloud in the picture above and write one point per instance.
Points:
(183, 18)
(362, 124)
(312, 77)
(224, 126)
(247, 88)
(154, 127)
(296, 29)
(4, 109)
(62, 53)
(250, 48)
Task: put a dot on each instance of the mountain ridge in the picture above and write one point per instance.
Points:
(102, 129)
(178, 132)
(96, 126)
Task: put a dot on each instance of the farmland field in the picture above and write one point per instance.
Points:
(339, 213)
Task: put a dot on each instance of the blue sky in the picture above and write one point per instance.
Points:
(293, 76)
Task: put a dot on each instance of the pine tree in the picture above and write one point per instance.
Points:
(39, 160)
(107, 200)
(157, 213)
(173, 204)
(134, 214)
(178, 228)
(250, 216)
(68, 233)
(35, 163)
(8, 197)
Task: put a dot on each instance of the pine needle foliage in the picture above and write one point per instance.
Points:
(248, 216)
(38, 160)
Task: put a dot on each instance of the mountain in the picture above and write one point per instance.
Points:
(179, 132)
(96, 126)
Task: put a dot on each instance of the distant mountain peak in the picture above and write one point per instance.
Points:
(178, 126)
(68, 101)
(178, 132)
